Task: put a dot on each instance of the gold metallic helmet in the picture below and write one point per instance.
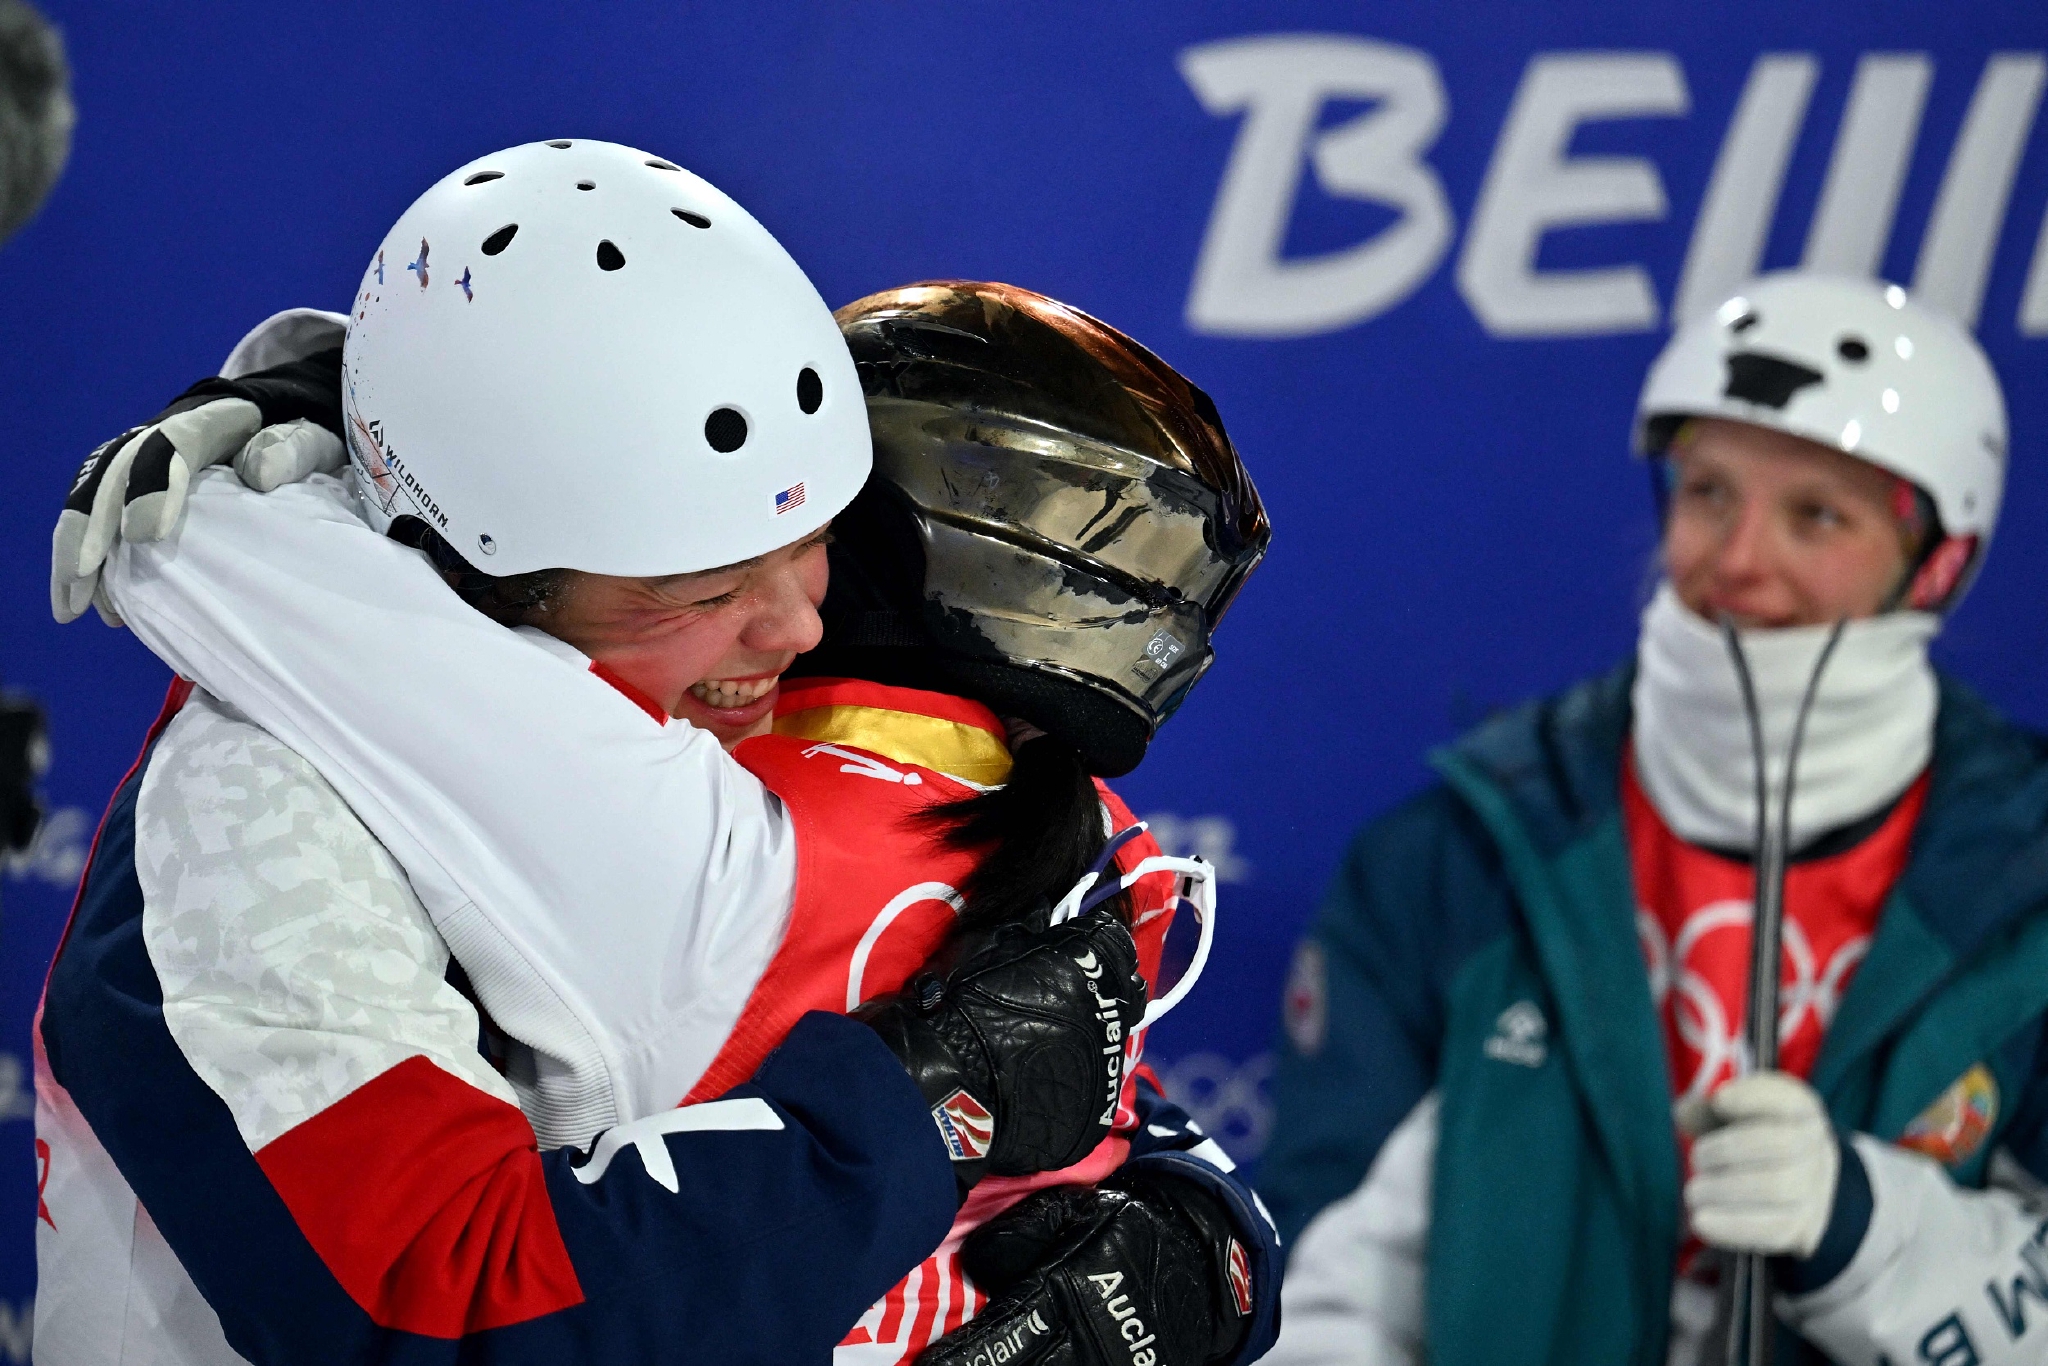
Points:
(1056, 520)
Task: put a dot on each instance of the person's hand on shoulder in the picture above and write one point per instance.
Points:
(273, 427)
(1019, 1049)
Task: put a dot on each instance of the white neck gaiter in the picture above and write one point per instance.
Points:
(1869, 735)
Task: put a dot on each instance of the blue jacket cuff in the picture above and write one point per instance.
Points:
(1848, 1221)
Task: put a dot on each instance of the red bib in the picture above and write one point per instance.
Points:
(1693, 912)
(855, 763)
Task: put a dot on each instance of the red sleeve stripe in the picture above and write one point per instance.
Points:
(632, 694)
(426, 1199)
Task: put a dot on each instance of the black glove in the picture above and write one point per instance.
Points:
(308, 388)
(277, 426)
(1145, 1270)
(1019, 1049)
(24, 755)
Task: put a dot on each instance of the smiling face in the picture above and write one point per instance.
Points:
(1774, 530)
(708, 647)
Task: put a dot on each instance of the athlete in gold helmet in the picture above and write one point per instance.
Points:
(1024, 590)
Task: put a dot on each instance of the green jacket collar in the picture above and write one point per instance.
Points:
(1545, 778)
(1980, 853)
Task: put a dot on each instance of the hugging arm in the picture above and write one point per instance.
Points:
(548, 824)
(295, 1094)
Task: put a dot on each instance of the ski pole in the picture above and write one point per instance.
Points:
(1751, 1301)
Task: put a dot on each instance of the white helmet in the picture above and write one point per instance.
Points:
(576, 355)
(1857, 365)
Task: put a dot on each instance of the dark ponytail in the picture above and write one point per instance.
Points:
(509, 600)
(1037, 834)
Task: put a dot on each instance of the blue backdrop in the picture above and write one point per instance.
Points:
(1420, 253)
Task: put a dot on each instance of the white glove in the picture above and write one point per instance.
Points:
(286, 453)
(1764, 1166)
(134, 486)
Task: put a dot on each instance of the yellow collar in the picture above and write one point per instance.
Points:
(958, 749)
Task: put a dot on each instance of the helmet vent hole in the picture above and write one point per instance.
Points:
(810, 390)
(586, 184)
(658, 164)
(609, 257)
(481, 176)
(1853, 349)
(695, 220)
(726, 430)
(1744, 323)
(500, 239)
(564, 142)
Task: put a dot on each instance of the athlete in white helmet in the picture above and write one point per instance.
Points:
(268, 1128)
(1518, 1116)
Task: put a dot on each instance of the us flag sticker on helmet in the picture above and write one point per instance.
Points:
(1240, 1279)
(791, 497)
(966, 1126)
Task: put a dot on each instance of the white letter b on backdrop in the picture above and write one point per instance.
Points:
(1243, 286)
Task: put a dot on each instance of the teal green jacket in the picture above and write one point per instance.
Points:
(1479, 942)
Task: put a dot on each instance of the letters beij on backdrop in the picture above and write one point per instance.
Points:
(1420, 254)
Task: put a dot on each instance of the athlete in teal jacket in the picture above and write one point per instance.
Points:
(1555, 1213)
(1516, 1126)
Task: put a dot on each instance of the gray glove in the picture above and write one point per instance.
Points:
(135, 485)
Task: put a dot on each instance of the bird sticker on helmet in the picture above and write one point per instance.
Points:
(419, 266)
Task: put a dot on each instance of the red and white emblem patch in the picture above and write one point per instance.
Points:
(966, 1126)
(1305, 1007)
(1240, 1279)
